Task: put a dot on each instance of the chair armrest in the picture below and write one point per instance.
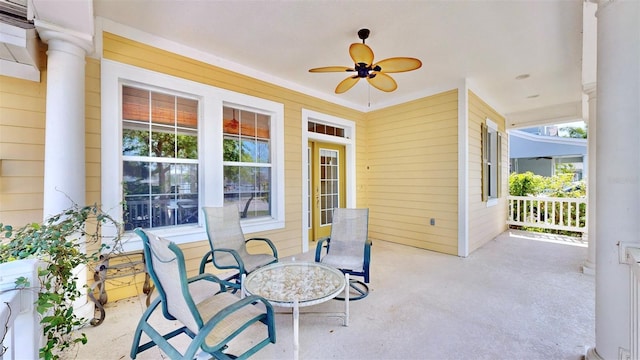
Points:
(209, 256)
(367, 254)
(208, 277)
(205, 259)
(247, 301)
(319, 247)
(269, 242)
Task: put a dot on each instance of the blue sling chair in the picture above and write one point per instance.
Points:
(208, 314)
(348, 248)
(229, 247)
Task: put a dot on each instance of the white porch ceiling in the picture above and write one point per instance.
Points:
(486, 43)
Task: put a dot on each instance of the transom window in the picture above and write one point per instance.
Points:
(325, 129)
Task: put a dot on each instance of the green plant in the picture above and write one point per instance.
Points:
(59, 242)
(526, 184)
(560, 185)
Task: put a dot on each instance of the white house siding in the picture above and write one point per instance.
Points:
(485, 223)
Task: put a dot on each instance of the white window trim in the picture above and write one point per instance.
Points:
(492, 201)
(211, 102)
(349, 142)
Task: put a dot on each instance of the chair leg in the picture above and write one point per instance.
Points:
(135, 346)
(358, 290)
(156, 339)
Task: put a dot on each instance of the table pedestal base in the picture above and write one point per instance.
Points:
(296, 318)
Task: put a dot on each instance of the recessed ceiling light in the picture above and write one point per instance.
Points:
(533, 96)
(522, 76)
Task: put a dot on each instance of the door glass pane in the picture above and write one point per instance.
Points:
(329, 176)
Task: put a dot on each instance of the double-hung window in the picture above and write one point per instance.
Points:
(247, 161)
(171, 146)
(491, 162)
(159, 158)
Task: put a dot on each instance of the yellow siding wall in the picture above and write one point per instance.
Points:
(485, 223)
(287, 240)
(22, 123)
(413, 173)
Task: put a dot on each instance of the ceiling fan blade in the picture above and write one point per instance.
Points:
(361, 53)
(397, 64)
(332, 69)
(346, 84)
(382, 81)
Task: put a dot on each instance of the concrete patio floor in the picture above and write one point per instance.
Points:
(521, 296)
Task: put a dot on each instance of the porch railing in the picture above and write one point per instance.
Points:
(633, 260)
(569, 214)
(20, 329)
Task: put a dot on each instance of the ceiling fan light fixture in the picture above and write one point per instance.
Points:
(375, 73)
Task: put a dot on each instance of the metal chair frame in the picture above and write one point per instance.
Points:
(225, 320)
(229, 217)
(339, 215)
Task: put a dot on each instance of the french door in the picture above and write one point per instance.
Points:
(326, 186)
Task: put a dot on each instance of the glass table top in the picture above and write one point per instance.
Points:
(284, 282)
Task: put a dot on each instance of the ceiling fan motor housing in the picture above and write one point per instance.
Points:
(363, 34)
(375, 73)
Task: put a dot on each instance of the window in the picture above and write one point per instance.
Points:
(491, 162)
(247, 161)
(159, 159)
(325, 129)
(171, 146)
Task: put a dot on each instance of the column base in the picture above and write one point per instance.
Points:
(84, 310)
(589, 268)
(592, 354)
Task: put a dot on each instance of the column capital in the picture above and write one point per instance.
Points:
(49, 33)
(602, 4)
(592, 354)
(590, 89)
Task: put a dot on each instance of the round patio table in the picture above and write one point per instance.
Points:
(297, 284)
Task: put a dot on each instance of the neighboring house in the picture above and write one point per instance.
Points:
(531, 150)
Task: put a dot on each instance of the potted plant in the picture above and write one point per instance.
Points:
(62, 243)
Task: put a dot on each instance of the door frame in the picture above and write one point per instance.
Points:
(349, 142)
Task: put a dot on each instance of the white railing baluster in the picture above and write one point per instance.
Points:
(633, 260)
(9, 309)
(565, 213)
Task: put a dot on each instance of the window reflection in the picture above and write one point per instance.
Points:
(247, 161)
(160, 153)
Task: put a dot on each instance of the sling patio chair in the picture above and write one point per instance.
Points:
(205, 312)
(348, 248)
(229, 247)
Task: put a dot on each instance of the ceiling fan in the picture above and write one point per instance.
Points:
(376, 74)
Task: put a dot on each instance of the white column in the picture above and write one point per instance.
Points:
(589, 266)
(64, 163)
(64, 150)
(618, 173)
